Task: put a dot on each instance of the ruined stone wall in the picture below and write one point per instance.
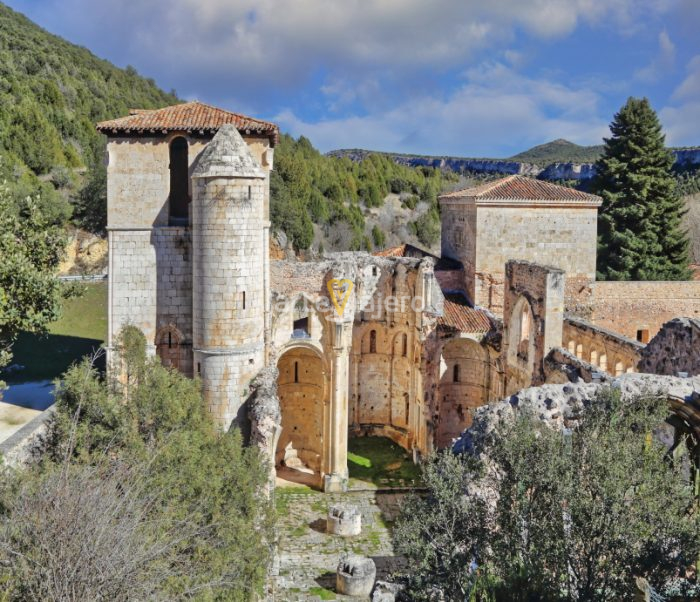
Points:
(675, 348)
(633, 308)
(562, 237)
(606, 350)
(533, 318)
(301, 389)
(465, 380)
(386, 392)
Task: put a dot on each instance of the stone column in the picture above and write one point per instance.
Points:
(337, 480)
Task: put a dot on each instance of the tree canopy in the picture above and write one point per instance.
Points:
(640, 232)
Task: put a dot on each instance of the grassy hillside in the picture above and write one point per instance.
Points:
(559, 151)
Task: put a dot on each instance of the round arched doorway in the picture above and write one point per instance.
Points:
(301, 386)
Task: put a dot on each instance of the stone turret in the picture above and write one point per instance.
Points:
(228, 204)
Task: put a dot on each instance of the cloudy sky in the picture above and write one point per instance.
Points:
(463, 77)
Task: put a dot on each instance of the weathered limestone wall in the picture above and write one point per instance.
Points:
(465, 384)
(676, 348)
(459, 238)
(138, 176)
(533, 319)
(150, 285)
(228, 274)
(561, 237)
(451, 280)
(301, 387)
(606, 350)
(632, 307)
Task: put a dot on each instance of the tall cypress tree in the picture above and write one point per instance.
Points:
(640, 235)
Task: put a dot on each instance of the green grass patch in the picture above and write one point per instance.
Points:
(81, 329)
(322, 592)
(382, 462)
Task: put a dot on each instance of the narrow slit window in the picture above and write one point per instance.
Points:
(296, 372)
(455, 373)
(179, 182)
(405, 345)
(243, 300)
(170, 340)
(373, 341)
(250, 192)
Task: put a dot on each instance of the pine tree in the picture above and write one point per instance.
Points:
(640, 235)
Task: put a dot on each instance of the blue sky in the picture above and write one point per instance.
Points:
(482, 78)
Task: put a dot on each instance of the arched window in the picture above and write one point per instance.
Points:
(405, 345)
(169, 347)
(524, 341)
(594, 357)
(579, 351)
(572, 347)
(619, 368)
(603, 362)
(373, 341)
(179, 198)
(455, 374)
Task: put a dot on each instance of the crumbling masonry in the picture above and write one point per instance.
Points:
(303, 355)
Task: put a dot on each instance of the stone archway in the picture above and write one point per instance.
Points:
(302, 391)
(520, 354)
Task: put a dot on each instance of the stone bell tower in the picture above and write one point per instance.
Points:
(228, 205)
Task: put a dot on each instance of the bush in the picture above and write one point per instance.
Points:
(575, 516)
(198, 493)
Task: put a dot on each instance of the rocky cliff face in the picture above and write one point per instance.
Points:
(553, 171)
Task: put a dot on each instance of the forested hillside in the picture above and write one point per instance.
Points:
(51, 94)
(354, 204)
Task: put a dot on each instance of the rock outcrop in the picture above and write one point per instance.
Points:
(553, 171)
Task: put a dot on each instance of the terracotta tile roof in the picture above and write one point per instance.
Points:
(190, 117)
(406, 250)
(459, 315)
(520, 188)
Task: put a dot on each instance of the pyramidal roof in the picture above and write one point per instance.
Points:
(521, 189)
(227, 155)
(191, 117)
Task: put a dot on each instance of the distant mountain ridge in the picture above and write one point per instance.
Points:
(556, 160)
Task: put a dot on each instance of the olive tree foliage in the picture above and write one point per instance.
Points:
(572, 516)
(31, 246)
(139, 466)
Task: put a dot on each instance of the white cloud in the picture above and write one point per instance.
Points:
(662, 63)
(240, 47)
(682, 121)
(496, 108)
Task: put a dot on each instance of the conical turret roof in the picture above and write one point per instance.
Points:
(227, 155)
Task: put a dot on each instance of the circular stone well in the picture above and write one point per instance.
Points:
(355, 576)
(343, 520)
